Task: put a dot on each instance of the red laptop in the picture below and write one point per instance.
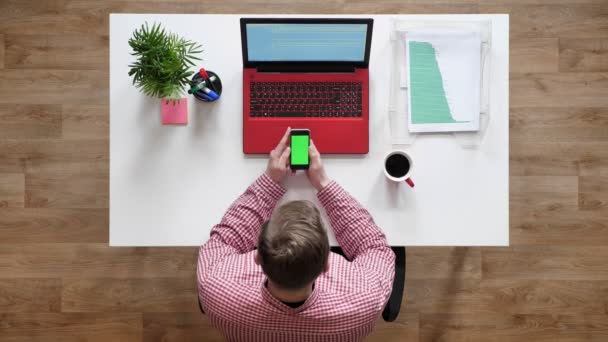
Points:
(306, 73)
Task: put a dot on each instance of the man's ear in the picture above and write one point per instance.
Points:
(256, 258)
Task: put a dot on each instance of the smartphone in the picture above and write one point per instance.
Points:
(299, 140)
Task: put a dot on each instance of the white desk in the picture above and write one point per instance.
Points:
(170, 184)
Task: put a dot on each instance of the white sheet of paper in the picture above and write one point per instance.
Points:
(458, 57)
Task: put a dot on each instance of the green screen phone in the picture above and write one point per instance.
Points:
(299, 142)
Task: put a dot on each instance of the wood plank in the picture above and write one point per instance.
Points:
(190, 6)
(593, 184)
(544, 184)
(11, 161)
(179, 327)
(54, 156)
(563, 227)
(104, 8)
(404, 328)
(460, 296)
(53, 86)
(55, 23)
(129, 295)
(594, 194)
(30, 295)
(545, 211)
(226, 6)
(558, 159)
(66, 191)
(448, 295)
(85, 122)
(564, 124)
(550, 21)
(559, 90)
(43, 225)
(546, 2)
(534, 55)
(67, 327)
(49, 260)
(544, 296)
(540, 159)
(63, 52)
(47, 17)
(80, 16)
(12, 190)
(443, 262)
(531, 194)
(545, 262)
(30, 121)
(513, 327)
(584, 117)
(2, 51)
(22, 8)
(592, 160)
(579, 54)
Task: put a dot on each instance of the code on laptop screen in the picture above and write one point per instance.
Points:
(306, 42)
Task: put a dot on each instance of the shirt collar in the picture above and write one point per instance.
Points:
(286, 308)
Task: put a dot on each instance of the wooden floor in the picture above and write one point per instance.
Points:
(59, 280)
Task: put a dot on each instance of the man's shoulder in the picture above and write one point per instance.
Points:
(232, 285)
(347, 294)
(344, 278)
(238, 271)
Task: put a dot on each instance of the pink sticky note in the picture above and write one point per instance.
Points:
(174, 113)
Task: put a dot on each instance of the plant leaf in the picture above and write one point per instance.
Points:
(162, 61)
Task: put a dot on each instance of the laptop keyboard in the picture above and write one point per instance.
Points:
(305, 99)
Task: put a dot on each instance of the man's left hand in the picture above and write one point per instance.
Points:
(278, 164)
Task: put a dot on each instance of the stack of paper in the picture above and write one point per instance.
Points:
(443, 80)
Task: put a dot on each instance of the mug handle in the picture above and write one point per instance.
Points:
(410, 182)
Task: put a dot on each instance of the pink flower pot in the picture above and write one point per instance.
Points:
(174, 112)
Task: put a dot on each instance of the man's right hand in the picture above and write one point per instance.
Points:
(316, 172)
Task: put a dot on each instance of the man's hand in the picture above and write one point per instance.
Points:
(278, 164)
(316, 172)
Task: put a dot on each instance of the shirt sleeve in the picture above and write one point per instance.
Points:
(238, 230)
(360, 238)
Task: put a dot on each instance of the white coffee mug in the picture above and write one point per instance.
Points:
(398, 166)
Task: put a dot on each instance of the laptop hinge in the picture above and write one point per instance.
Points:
(305, 68)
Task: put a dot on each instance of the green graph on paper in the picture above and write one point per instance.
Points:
(428, 101)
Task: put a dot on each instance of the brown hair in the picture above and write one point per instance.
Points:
(293, 246)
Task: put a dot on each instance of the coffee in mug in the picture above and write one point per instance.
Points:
(398, 166)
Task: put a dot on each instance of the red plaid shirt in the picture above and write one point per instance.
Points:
(346, 300)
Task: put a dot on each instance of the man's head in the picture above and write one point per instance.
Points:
(293, 246)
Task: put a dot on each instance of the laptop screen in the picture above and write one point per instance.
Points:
(298, 42)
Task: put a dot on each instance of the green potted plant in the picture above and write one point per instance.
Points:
(162, 69)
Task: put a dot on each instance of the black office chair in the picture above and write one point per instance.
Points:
(391, 310)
